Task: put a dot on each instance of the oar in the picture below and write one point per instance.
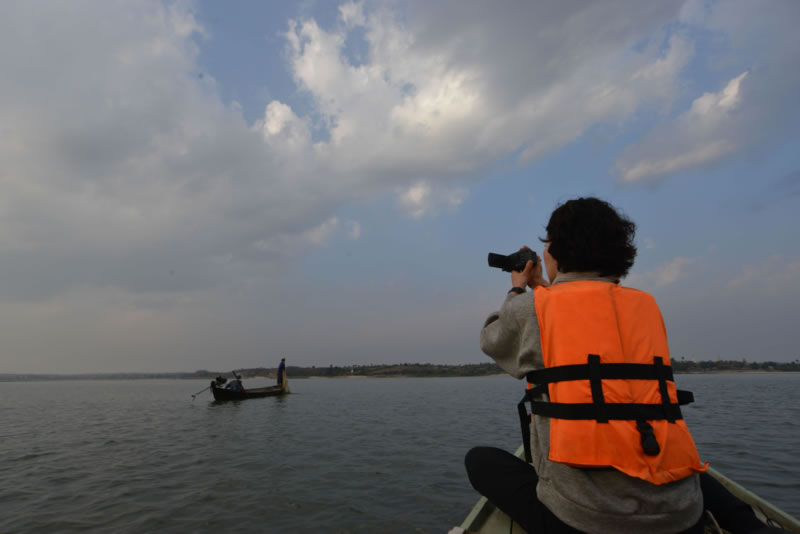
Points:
(199, 392)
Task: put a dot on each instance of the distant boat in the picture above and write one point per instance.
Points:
(486, 519)
(224, 394)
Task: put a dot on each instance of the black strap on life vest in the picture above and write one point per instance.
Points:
(599, 410)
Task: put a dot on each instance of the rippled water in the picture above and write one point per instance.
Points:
(748, 427)
(344, 455)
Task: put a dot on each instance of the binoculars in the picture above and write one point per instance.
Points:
(513, 262)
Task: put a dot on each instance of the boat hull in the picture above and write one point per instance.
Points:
(222, 394)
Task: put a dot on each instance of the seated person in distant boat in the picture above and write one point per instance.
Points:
(236, 383)
(607, 455)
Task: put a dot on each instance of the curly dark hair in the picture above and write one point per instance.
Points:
(589, 235)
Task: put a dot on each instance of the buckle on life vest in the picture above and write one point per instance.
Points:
(649, 442)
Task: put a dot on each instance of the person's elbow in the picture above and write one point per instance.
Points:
(489, 342)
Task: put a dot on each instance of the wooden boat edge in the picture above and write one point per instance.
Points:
(765, 510)
(483, 507)
(485, 512)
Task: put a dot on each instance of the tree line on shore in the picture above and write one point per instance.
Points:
(486, 369)
(398, 370)
(689, 366)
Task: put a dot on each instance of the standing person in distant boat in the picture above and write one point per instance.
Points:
(281, 371)
(610, 450)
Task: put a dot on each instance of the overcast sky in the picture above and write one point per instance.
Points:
(215, 185)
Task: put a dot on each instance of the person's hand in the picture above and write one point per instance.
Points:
(530, 276)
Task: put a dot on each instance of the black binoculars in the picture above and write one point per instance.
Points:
(513, 262)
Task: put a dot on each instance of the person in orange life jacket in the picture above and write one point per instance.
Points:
(614, 468)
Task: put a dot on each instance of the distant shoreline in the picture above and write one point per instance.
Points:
(359, 372)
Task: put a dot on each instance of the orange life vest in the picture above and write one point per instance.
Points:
(613, 402)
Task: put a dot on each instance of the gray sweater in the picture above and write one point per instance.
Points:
(590, 500)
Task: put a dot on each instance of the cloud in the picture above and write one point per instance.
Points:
(439, 97)
(775, 275)
(291, 244)
(116, 155)
(663, 276)
(415, 199)
(697, 137)
(750, 314)
(132, 195)
(421, 199)
(282, 125)
(121, 164)
(755, 106)
(352, 14)
(354, 232)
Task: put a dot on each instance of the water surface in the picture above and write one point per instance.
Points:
(339, 455)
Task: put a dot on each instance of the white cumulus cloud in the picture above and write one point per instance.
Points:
(437, 97)
(754, 107)
(699, 136)
(118, 159)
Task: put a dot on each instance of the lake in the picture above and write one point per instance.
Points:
(338, 455)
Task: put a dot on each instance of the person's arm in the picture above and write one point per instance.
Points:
(501, 337)
(510, 336)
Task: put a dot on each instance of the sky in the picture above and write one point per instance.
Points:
(194, 185)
